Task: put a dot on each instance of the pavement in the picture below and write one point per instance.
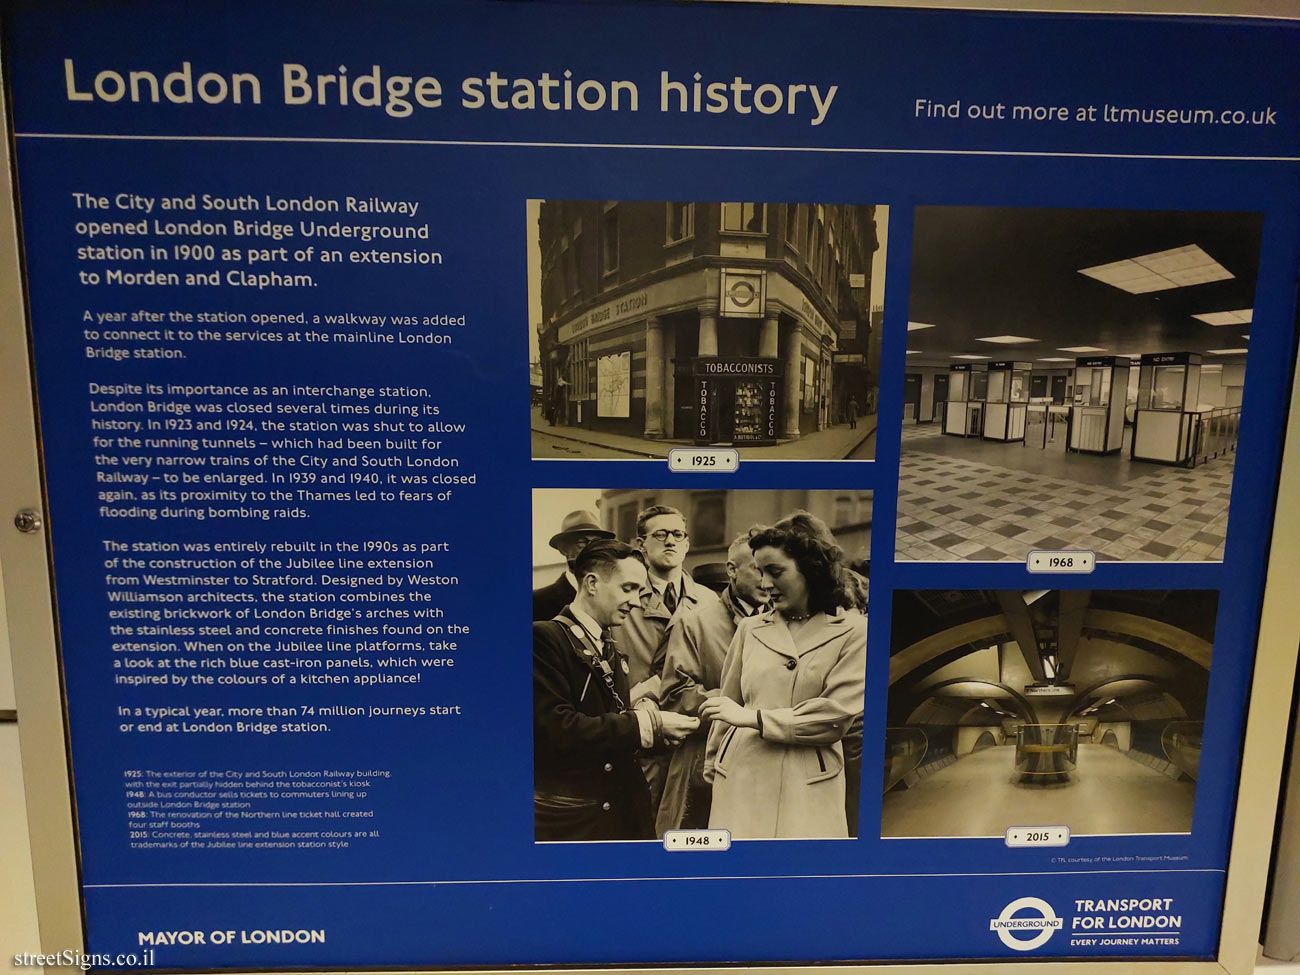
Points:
(575, 443)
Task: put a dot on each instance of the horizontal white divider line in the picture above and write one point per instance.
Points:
(606, 880)
(631, 145)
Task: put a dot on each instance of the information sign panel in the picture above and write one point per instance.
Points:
(348, 326)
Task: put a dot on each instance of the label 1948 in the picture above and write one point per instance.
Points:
(697, 839)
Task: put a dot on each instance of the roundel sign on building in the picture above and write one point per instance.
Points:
(1025, 924)
(742, 293)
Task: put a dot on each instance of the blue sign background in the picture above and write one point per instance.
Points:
(454, 878)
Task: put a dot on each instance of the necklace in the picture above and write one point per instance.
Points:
(792, 618)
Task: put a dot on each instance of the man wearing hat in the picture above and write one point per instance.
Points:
(578, 530)
(587, 733)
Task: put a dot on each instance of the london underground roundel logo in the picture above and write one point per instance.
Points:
(742, 293)
(1040, 925)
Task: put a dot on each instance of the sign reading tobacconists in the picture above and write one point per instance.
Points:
(738, 367)
(737, 400)
(371, 574)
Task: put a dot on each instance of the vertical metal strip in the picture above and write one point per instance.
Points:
(1265, 742)
(29, 598)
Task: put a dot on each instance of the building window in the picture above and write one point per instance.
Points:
(815, 249)
(708, 518)
(573, 270)
(845, 510)
(579, 373)
(792, 225)
(809, 383)
(681, 221)
(747, 218)
(550, 285)
(851, 509)
(625, 526)
(569, 285)
(828, 281)
(609, 239)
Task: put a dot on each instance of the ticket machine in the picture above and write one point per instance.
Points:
(967, 388)
(1097, 415)
(1007, 402)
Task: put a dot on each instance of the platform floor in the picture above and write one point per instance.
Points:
(963, 499)
(978, 796)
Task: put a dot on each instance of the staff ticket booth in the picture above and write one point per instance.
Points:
(1169, 388)
(963, 414)
(1007, 401)
(1097, 416)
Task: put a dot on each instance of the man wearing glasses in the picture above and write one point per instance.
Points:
(663, 540)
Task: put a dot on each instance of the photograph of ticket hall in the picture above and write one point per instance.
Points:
(1074, 379)
(705, 322)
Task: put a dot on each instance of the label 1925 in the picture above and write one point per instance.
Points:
(706, 460)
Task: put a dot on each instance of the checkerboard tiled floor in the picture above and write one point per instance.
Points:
(952, 509)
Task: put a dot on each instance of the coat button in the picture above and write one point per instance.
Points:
(609, 767)
(791, 665)
(605, 806)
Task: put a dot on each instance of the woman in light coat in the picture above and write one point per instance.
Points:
(791, 686)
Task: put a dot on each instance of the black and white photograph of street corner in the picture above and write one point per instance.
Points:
(658, 324)
(699, 661)
(1074, 381)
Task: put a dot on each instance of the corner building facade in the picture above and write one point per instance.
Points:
(706, 322)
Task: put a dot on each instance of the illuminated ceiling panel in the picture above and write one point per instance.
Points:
(981, 272)
(1240, 317)
(1179, 267)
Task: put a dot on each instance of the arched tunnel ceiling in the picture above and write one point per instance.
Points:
(1138, 696)
(956, 694)
(953, 642)
(962, 704)
(918, 613)
(913, 668)
(1122, 689)
(1153, 631)
(961, 637)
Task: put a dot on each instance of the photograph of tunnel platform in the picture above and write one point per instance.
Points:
(1078, 708)
(1074, 380)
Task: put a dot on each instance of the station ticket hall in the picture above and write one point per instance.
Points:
(1074, 379)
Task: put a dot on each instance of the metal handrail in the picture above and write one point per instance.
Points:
(1214, 432)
